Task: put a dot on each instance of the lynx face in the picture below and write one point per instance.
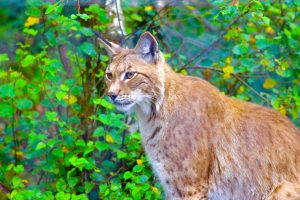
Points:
(128, 82)
(133, 77)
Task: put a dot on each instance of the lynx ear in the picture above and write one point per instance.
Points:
(147, 47)
(111, 48)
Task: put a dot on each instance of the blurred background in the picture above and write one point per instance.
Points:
(60, 138)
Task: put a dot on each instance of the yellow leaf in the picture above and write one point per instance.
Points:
(270, 30)
(65, 150)
(228, 70)
(108, 138)
(70, 99)
(148, 8)
(155, 190)
(139, 161)
(282, 110)
(241, 89)
(235, 3)
(97, 170)
(30, 21)
(228, 60)
(25, 181)
(112, 173)
(184, 72)
(252, 39)
(19, 154)
(269, 83)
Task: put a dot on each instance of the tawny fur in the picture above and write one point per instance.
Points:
(202, 144)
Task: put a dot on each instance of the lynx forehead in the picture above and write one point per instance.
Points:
(202, 144)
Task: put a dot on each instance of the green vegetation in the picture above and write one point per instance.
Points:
(60, 138)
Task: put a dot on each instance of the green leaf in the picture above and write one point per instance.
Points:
(83, 16)
(52, 116)
(72, 181)
(58, 152)
(99, 131)
(266, 20)
(127, 175)
(240, 49)
(103, 103)
(61, 185)
(28, 60)
(24, 104)
(62, 196)
(64, 87)
(51, 8)
(142, 179)
(3, 57)
(86, 31)
(137, 168)
(73, 16)
(40, 145)
(60, 95)
(19, 169)
(136, 17)
(104, 58)
(101, 146)
(121, 154)
(88, 187)
(80, 143)
(20, 83)
(6, 110)
(17, 182)
(7, 90)
(30, 31)
(88, 48)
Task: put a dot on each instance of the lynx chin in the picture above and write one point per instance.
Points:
(202, 144)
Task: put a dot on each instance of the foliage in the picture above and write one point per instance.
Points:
(60, 138)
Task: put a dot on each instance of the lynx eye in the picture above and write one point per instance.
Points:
(108, 76)
(129, 75)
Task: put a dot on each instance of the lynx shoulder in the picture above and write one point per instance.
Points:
(202, 144)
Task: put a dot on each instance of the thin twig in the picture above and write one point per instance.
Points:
(248, 86)
(220, 37)
(4, 188)
(235, 76)
(119, 21)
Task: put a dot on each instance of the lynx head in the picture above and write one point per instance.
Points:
(135, 77)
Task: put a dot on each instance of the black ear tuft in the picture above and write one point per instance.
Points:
(147, 47)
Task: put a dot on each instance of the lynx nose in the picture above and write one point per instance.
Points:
(112, 95)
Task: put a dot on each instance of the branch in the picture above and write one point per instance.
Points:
(119, 20)
(237, 76)
(62, 49)
(220, 37)
(3, 188)
(248, 86)
(152, 21)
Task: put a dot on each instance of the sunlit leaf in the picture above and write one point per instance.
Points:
(269, 83)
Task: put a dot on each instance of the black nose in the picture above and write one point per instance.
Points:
(112, 95)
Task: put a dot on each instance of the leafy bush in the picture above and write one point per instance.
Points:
(60, 138)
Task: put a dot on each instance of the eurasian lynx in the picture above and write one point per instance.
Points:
(202, 144)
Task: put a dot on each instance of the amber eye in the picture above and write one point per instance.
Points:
(108, 76)
(129, 75)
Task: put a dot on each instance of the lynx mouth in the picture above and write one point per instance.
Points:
(124, 106)
(123, 103)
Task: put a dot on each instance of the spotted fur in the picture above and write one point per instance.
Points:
(202, 144)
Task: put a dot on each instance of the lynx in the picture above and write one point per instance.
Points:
(201, 143)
